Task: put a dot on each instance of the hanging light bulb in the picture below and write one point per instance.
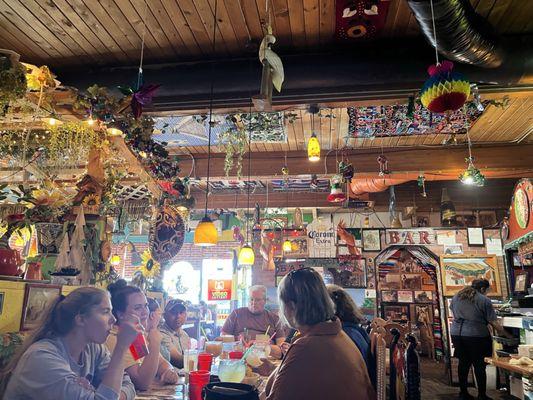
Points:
(313, 148)
(115, 260)
(287, 246)
(246, 255)
(114, 131)
(90, 121)
(52, 120)
(206, 233)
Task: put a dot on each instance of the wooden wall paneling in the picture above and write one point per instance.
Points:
(342, 130)
(497, 13)
(299, 131)
(195, 24)
(100, 30)
(327, 21)
(503, 119)
(206, 14)
(402, 20)
(297, 22)
(58, 30)
(178, 33)
(291, 136)
(517, 124)
(135, 18)
(484, 7)
(280, 11)
(251, 16)
(226, 28)
(516, 20)
(166, 48)
(29, 51)
(33, 34)
(312, 22)
(412, 28)
(484, 122)
(392, 15)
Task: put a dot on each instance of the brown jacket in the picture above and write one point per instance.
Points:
(322, 364)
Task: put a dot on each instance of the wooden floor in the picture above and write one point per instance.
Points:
(435, 384)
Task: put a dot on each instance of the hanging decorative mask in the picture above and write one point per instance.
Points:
(166, 234)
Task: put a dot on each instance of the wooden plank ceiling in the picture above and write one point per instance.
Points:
(108, 32)
(509, 124)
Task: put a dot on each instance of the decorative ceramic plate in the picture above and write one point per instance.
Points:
(521, 208)
(167, 234)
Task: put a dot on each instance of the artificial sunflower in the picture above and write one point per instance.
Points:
(149, 268)
(91, 200)
(48, 197)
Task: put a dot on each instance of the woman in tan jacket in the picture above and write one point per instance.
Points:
(323, 363)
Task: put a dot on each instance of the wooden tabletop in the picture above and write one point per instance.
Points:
(503, 362)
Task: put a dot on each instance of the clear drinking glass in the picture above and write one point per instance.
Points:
(231, 371)
(190, 360)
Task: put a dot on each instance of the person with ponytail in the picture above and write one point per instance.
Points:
(472, 314)
(130, 301)
(65, 358)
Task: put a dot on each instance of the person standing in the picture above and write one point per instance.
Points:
(472, 313)
(255, 319)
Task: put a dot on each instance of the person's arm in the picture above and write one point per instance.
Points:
(492, 319)
(176, 358)
(275, 349)
(229, 326)
(497, 325)
(143, 375)
(166, 373)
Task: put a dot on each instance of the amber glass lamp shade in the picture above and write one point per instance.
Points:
(206, 233)
(313, 148)
(246, 255)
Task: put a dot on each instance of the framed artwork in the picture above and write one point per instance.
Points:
(37, 298)
(428, 281)
(405, 296)
(521, 282)
(298, 241)
(395, 312)
(423, 296)
(389, 296)
(371, 240)
(389, 281)
(411, 281)
(350, 272)
(475, 237)
(459, 271)
(2, 297)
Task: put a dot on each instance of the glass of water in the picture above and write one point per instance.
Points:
(190, 360)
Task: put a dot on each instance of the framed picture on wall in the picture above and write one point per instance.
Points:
(459, 271)
(405, 296)
(371, 240)
(395, 312)
(37, 298)
(475, 237)
(521, 282)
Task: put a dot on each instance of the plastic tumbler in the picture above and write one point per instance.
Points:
(235, 355)
(138, 347)
(197, 381)
(204, 361)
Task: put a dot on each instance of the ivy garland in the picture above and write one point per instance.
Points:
(70, 143)
(12, 81)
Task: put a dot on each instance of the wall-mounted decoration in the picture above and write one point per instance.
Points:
(349, 240)
(360, 19)
(521, 207)
(37, 298)
(219, 289)
(459, 271)
(521, 282)
(411, 281)
(475, 237)
(423, 296)
(298, 240)
(410, 237)
(405, 296)
(303, 184)
(396, 312)
(371, 240)
(166, 234)
(236, 185)
(394, 120)
(321, 238)
(389, 296)
(350, 272)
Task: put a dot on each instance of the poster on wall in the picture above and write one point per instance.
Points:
(321, 238)
(459, 271)
(219, 289)
(371, 240)
(407, 237)
(298, 241)
(350, 272)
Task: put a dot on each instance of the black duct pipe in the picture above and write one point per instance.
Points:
(462, 34)
(387, 69)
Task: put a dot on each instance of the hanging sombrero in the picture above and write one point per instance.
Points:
(167, 233)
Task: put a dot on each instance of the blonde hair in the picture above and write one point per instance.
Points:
(59, 320)
(305, 294)
(345, 307)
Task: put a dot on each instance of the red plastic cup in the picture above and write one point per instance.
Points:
(197, 381)
(139, 348)
(235, 355)
(204, 361)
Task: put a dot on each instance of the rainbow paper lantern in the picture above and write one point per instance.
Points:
(445, 90)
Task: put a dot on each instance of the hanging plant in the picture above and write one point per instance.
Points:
(12, 78)
(71, 142)
(472, 175)
(235, 144)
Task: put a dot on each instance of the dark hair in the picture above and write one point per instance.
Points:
(307, 295)
(469, 292)
(120, 291)
(153, 305)
(345, 307)
(59, 319)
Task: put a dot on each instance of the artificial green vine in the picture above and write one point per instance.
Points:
(71, 142)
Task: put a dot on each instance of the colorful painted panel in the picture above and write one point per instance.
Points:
(360, 19)
(394, 120)
(459, 271)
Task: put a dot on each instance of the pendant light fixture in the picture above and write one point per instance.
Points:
(471, 175)
(246, 254)
(287, 245)
(206, 233)
(313, 146)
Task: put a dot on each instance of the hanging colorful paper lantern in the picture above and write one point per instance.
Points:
(206, 233)
(246, 255)
(445, 90)
(313, 148)
(336, 194)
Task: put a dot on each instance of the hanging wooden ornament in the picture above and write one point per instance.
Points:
(167, 234)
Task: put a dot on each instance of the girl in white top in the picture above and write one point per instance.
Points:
(130, 301)
(65, 357)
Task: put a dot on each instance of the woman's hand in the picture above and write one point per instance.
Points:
(153, 320)
(284, 347)
(128, 330)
